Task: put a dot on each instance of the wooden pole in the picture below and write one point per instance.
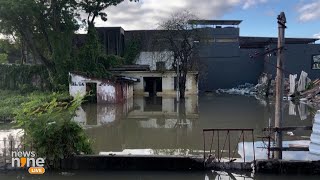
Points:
(279, 82)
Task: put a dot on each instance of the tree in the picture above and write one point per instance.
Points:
(45, 28)
(181, 37)
(94, 9)
(91, 58)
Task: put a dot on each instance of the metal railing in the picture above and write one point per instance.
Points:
(7, 146)
(220, 150)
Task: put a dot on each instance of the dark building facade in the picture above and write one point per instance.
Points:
(224, 56)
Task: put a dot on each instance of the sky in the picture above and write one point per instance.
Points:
(259, 16)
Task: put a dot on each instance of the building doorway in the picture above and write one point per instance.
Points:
(91, 90)
(152, 85)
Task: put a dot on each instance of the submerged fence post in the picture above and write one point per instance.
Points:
(254, 152)
(11, 147)
(5, 150)
(204, 146)
(229, 144)
(218, 147)
(244, 153)
(211, 142)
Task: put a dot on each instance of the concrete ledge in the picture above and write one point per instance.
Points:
(287, 167)
(132, 163)
(227, 166)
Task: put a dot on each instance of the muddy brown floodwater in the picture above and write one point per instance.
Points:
(158, 126)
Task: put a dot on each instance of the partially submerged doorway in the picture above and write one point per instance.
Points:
(152, 85)
(91, 90)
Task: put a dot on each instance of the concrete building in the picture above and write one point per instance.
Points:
(160, 83)
(116, 90)
(225, 57)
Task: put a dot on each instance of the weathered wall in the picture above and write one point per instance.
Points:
(167, 82)
(107, 91)
(151, 58)
(77, 85)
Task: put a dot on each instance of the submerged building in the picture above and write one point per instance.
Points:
(225, 58)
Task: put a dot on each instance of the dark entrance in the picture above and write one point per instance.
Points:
(91, 89)
(153, 85)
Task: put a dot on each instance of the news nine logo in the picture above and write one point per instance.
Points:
(28, 159)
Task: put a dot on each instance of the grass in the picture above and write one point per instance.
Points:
(11, 101)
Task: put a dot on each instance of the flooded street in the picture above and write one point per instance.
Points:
(156, 126)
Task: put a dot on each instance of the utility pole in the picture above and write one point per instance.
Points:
(279, 82)
(178, 80)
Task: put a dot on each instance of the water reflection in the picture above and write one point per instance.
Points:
(92, 115)
(159, 126)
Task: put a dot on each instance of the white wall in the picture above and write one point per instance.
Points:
(151, 58)
(106, 93)
(77, 85)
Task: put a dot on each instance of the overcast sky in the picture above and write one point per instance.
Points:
(259, 16)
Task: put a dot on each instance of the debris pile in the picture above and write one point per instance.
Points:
(245, 89)
(302, 89)
(311, 94)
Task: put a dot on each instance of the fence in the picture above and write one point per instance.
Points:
(215, 140)
(7, 146)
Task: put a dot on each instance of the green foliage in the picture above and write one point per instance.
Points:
(25, 78)
(310, 86)
(47, 29)
(49, 127)
(3, 58)
(6, 46)
(111, 61)
(132, 51)
(12, 101)
(91, 59)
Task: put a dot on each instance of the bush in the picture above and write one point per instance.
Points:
(48, 126)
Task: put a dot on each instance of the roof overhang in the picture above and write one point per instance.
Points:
(215, 22)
